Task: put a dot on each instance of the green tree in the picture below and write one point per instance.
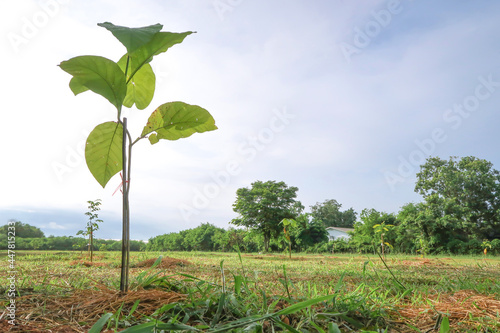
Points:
(92, 224)
(424, 227)
(200, 238)
(414, 227)
(465, 192)
(220, 240)
(263, 206)
(235, 238)
(309, 233)
(330, 215)
(167, 242)
(23, 230)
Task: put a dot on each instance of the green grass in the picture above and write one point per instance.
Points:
(253, 292)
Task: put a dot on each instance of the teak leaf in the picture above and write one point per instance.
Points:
(103, 151)
(76, 86)
(140, 88)
(98, 74)
(132, 38)
(176, 120)
(160, 43)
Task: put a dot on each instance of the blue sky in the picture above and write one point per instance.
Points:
(342, 99)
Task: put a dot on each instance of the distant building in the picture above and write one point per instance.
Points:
(337, 233)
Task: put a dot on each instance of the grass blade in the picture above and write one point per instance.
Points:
(286, 326)
(142, 328)
(351, 321)
(338, 285)
(394, 277)
(238, 280)
(99, 325)
(445, 325)
(302, 305)
(176, 327)
(333, 328)
(319, 329)
(154, 326)
(220, 308)
(134, 307)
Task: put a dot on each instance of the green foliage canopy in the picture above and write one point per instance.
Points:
(263, 206)
(462, 195)
(330, 215)
(22, 230)
(365, 238)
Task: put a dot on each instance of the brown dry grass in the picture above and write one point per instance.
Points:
(83, 306)
(87, 263)
(166, 262)
(458, 307)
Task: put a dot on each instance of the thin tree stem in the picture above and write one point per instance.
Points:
(125, 213)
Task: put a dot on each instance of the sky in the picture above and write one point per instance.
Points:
(342, 99)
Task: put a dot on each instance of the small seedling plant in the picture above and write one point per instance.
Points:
(486, 244)
(424, 246)
(381, 229)
(92, 224)
(287, 225)
(131, 81)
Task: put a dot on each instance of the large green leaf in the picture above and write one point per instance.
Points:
(140, 88)
(76, 86)
(103, 151)
(302, 305)
(160, 43)
(132, 38)
(176, 120)
(98, 74)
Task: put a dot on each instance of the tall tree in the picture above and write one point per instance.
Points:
(23, 230)
(424, 227)
(330, 215)
(465, 192)
(263, 206)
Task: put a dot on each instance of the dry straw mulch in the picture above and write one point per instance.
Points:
(88, 263)
(62, 314)
(166, 262)
(458, 307)
(422, 262)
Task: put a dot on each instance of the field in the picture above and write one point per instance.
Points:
(64, 292)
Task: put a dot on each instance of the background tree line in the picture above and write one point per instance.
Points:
(29, 237)
(459, 214)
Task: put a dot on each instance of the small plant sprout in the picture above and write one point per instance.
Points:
(131, 81)
(424, 246)
(92, 225)
(381, 229)
(486, 244)
(287, 224)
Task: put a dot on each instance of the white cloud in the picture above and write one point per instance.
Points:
(55, 226)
